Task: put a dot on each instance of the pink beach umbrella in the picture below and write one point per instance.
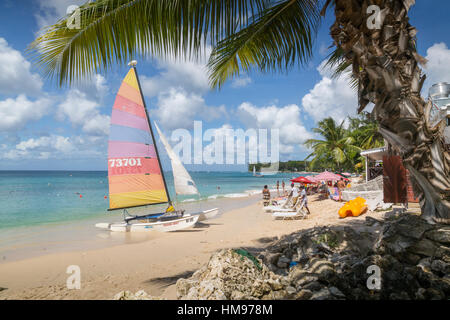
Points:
(311, 178)
(327, 176)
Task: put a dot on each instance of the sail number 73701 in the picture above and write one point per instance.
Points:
(125, 162)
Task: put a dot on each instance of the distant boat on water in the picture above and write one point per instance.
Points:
(255, 174)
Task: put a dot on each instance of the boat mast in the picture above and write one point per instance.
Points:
(133, 64)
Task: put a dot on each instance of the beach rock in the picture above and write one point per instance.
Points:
(283, 262)
(370, 221)
(303, 294)
(336, 292)
(399, 296)
(313, 286)
(231, 274)
(323, 294)
(440, 235)
(423, 247)
(443, 253)
(324, 269)
(290, 290)
(425, 264)
(440, 266)
(270, 257)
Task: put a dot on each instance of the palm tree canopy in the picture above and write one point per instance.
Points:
(364, 129)
(337, 146)
(268, 35)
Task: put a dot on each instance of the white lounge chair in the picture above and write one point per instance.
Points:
(284, 205)
(299, 212)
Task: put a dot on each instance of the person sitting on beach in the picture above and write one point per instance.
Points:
(304, 198)
(266, 196)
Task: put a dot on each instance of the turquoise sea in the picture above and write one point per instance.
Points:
(32, 198)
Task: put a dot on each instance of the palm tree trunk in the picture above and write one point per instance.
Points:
(385, 62)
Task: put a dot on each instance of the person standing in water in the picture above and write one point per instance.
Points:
(266, 196)
(278, 188)
(282, 186)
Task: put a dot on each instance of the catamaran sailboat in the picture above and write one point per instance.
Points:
(135, 175)
(182, 180)
(254, 172)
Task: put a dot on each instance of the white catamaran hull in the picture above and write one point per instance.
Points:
(208, 214)
(162, 226)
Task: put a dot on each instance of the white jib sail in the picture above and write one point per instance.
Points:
(181, 178)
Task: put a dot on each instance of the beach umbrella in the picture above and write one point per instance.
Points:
(327, 176)
(301, 179)
(346, 174)
(311, 178)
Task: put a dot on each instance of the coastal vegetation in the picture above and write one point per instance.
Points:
(274, 36)
(284, 166)
(338, 146)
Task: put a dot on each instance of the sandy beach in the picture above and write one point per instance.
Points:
(153, 264)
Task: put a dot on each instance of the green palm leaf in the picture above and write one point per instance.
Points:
(276, 39)
(116, 31)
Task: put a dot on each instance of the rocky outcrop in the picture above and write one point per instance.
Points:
(328, 263)
(230, 274)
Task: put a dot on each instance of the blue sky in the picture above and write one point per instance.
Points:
(45, 127)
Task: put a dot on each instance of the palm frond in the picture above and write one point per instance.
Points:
(340, 66)
(276, 39)
(116, 31)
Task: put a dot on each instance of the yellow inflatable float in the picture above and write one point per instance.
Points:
(353, 208)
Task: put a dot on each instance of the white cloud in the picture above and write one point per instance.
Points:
(58, 143)
(53, 10)
(242, 81)
(438, 66)
(15, 74)
(56, 147)
(15, 113)
(190, 76)
(178, 109)
(179, 89)
(81, 107)
(95, 88)
(330, 97)
(286, 119)
(41, 148)
(83, 112)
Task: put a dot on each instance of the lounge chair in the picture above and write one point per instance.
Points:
(298, 213)
(282, 206)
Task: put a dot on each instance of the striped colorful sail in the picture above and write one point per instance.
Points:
(134, 170)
